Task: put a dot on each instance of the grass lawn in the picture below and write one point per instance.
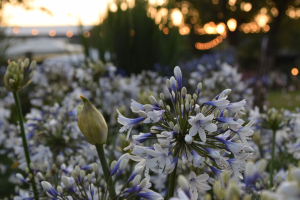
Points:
(288, 100)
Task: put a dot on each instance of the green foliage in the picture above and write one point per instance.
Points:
(135, 41)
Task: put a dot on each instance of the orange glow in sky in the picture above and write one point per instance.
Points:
(64, 13)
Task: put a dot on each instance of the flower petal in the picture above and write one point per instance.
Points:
(211, 127)
(193, 131)
(202, 134)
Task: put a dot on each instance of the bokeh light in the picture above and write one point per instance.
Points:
(52, 33)
(34, 31)
(69, 33)
(16, 30)
(295, 71)
(176, 17)
(232, 23)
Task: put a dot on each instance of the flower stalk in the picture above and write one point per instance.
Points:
(106, 171)
(272, 159)
(172, 183)
(25, 146)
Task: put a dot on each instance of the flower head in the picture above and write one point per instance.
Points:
(190, 133)
(18, 74)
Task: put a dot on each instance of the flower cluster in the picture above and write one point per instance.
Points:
(189, 134)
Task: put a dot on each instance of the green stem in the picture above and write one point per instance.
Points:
(272, 160)
(25, 146)
(172, 183)
(105, 168)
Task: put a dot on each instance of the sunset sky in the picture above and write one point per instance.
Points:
(64, 13)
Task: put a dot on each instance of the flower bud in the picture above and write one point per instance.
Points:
(232, 191)
(218, 191)
(136, 180)
(162, 96)
(168, 107)
(171, 124)
(18, 75)
(66, 181)
(82, 174)
(188, 139)
(113, 164)
(59, 190)
(95, 167)
(77, 170)
(89, 177)
(142, 114)
(183, 92)
(143, 182)
(91, 123)
(176, 129)
(204, 110)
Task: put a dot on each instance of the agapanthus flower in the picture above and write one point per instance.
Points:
(189, 133)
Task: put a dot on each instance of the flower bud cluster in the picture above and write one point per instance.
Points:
(18, 74)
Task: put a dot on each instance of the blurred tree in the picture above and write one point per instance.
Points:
(135, 41)
(267, 20)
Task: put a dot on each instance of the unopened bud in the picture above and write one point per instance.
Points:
(113, 164)
(82, 174)
(171, 124)
(153, 100)
(225, 113)
(232, 191)
(168, 107)
(142, 114)
(89, 177)
(74, 174)
(91, 123)
(59, 190)
(136, 180)
(77, 170)
(161, 103)
(204, 110)
(218, 191)
(168, 83)
(176, 128)
(188, 139)
(162, 96)
(187, 106)
(183, 92)
(95, 167)
(217, 113)
(183, 183)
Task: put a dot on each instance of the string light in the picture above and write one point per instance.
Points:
(212, 43)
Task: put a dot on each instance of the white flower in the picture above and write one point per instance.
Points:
(181, 196)
(153, 116)
(237, 107)
(220, 103)
(200, 124)
(128, 123)
(196, 184)
(160, 158)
